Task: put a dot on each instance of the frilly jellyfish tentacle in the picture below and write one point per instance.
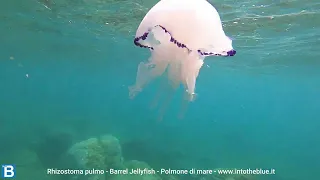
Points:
(147, 71)
(137, 42)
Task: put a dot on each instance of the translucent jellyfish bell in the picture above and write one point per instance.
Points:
(179, 34)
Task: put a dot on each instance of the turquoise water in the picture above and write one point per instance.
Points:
(66, 65)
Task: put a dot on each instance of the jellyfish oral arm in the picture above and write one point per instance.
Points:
(148, 71)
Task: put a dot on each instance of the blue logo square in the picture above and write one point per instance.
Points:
(7, 171)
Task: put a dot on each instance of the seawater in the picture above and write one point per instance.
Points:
(66, 66)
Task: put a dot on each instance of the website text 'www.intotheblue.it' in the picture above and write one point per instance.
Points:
(257, 171)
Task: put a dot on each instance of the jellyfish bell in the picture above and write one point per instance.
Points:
(179, 34)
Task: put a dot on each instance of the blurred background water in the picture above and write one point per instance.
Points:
(65, 65)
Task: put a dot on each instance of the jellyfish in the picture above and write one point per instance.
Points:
(180, 34)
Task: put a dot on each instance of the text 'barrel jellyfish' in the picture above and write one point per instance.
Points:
(179, 34)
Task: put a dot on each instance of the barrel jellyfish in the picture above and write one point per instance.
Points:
(179, 34)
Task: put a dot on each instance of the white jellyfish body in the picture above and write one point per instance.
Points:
(179, 34)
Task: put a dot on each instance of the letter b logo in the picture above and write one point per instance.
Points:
(7, 171)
